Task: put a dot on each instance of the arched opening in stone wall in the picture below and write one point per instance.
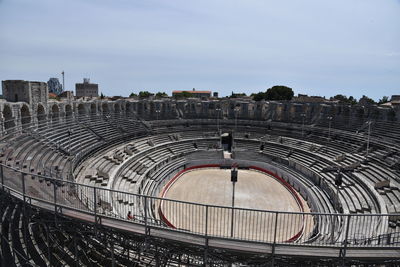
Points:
(140, 108)
(68, 111)
(309, 110)
(391, 115)
(55, 112)
(294, 111)
(375, 114)
(152, 106)
(105, 108)
(41, 114)
(163, 109)
(134, 106)
(128, 107)
(152, 110)
(81, 109)
(25, 115)
(345, 115)
(117, 108)
(360, 114)
(8, 118)
(346, 111)
(93, 109)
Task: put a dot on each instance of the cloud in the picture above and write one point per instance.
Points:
(393, 54)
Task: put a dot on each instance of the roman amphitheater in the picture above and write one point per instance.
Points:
(148, 183)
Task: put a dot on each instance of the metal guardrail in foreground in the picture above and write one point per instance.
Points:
(273, 227)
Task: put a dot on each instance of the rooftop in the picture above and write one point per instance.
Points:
(191, 91)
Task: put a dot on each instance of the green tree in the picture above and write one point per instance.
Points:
(161, 94)
(352, 100)
(344, 100)
(384, 100)
(145, 94)
(258, 96)
(101, 96)
(340, 98)
(133, 95)
(236, 95)
(365, 100)
(277, 92)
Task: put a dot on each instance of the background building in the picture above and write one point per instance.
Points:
(25, 91)
(193, 93)
(55, 86)
(86, 89)
(394, 101)
(309, 99)
(68, 95)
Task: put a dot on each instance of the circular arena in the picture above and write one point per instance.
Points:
(212, 186)
(148, 183)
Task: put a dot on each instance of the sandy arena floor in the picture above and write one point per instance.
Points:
(254, 190)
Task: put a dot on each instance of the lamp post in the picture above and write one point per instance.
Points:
(329, 130)
(157, 113)
(236, 110)
(234, 178)
(70, 155)
(369, 133)
(218, 110)
(303, 115)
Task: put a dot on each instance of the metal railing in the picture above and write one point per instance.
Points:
(211, 221)
(273, 227)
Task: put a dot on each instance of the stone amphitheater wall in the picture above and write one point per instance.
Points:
(12, 113)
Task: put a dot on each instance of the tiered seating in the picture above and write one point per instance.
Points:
(307, 160)
(136, 176)
(354, 195)
(137, 160)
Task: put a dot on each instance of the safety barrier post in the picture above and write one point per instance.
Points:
(2, 176)
(232, 218)
(206, 224)
(345, 239)
(205, 257)
(274, 244)
(95, 204)
(145, 214)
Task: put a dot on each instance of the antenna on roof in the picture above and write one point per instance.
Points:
(63, 80)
